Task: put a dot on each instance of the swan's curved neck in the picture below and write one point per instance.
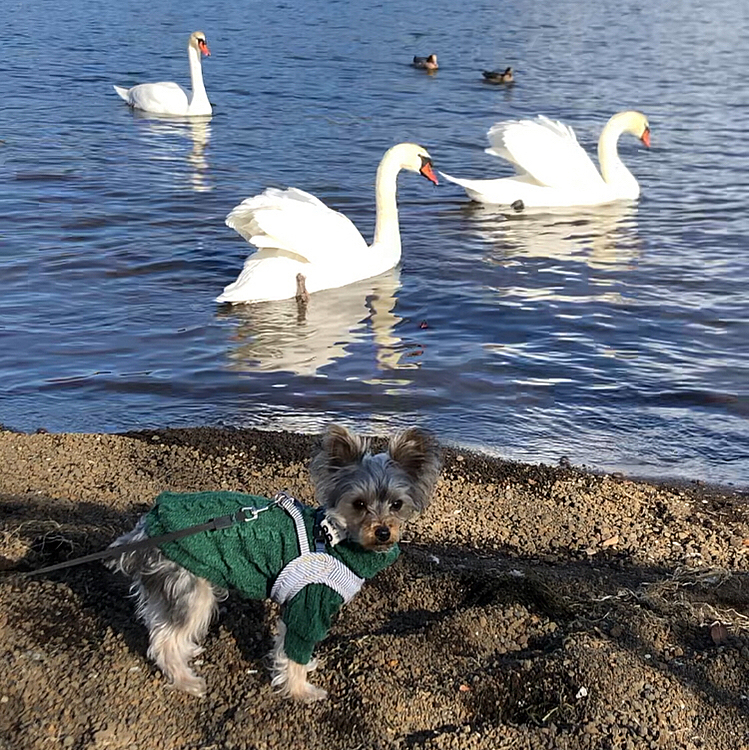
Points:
(613, 171)
(198, 95)
(387, 231)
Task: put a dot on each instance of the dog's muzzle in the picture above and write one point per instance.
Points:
(382, 534)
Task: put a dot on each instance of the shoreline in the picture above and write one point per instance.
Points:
(533, 606)
(487, 454)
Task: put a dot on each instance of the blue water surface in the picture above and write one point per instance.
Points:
(615, 337)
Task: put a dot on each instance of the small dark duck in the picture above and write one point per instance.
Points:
(497, 76)
(426, 63)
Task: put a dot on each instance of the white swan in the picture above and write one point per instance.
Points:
(167, 98)
(553, 169)
(304, 246)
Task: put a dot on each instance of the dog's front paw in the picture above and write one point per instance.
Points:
(290, 680)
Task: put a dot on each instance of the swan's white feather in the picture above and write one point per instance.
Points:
(264, 276)
(553, 169)
(164, 97)
(299, 237)
(545, 149)
(293, 221)
(508, 190)
(167, 97)
(296, 233)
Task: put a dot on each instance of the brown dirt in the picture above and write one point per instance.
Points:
(533, 607)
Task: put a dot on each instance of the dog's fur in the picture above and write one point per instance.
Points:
(368, 498)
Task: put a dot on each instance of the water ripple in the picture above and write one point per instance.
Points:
(613, 336)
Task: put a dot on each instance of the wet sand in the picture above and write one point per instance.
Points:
(532, 607)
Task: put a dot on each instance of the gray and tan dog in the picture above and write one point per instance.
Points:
(311, 561)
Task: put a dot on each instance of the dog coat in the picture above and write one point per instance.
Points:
(248, 556)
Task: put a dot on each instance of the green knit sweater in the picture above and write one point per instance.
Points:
(248, 557)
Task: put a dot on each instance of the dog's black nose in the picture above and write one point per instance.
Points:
(382, 533)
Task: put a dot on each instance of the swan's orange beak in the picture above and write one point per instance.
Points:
(427, 171)
(645, 137)
(204, 48)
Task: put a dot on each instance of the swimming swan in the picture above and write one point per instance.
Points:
(553, 169)
(304, 246)
(167, 98)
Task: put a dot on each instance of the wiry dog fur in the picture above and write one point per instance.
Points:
(368, 498)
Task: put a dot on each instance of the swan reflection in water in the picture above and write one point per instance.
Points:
(302, 338)
(600, 236)
(196, 129)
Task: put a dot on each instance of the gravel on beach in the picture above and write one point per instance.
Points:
(533, 607)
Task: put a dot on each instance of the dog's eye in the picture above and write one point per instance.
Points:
(396, 505)
(359, 505)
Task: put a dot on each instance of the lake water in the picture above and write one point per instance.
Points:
(618, 338)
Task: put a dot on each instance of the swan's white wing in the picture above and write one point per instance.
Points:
(294, 222)
(167, 97)
(505, 190)
(545, 150)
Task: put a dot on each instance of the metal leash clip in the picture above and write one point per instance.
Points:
(248, 513)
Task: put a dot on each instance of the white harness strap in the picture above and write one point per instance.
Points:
(311, 567)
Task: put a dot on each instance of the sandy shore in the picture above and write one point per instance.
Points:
(533, 607)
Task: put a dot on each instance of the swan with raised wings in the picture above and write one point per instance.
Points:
(553, 169)
(304, 246)
(167, 97)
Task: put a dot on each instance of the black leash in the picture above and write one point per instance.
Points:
(248, 513)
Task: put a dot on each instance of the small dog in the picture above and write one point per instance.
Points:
(365, 500)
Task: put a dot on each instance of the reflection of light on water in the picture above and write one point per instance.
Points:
(542, 294)
(283, 418)
(197, 130)
(285, 337)
(200, 130)
(600, 236)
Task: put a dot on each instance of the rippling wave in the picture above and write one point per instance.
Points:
(615, 337)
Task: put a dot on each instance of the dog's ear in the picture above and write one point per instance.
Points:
(342, 447)
(413, 450)
(418, 453)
